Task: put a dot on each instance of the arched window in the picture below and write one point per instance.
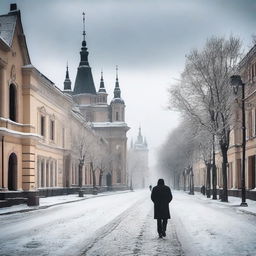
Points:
(12, 102)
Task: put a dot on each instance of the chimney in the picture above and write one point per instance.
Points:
(13, 7)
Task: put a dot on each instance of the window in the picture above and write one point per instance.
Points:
(52, 126)
(12, 102)
(117, 116)
(42, 122)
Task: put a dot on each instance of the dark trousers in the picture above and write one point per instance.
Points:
(161, 225)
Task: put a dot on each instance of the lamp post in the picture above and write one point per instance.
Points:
(236, 81)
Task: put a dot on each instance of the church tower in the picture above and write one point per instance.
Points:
(84, 81)
(67, 83)
(84, 93)
(107, 120)
(102, 94)
(117, 104)
(138, 162)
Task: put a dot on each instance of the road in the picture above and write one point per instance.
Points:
(208, 227)
(123, 224)
(119, 224)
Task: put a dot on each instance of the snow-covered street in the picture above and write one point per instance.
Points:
(123, 224)
(208, 227)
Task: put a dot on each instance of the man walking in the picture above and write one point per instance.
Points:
(161, 196)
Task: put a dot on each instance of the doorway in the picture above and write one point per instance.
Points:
(12, 172)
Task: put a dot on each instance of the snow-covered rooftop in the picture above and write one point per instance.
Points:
(109, 124)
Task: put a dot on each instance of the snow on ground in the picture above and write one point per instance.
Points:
(208, 227)
(116, 224)
(62, 229)
(53, 200)
(135, 233)
(233, 201)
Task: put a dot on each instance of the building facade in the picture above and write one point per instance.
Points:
(38, 150)
(247, 69)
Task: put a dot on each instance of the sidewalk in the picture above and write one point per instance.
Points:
(232, 202)
(46, 202)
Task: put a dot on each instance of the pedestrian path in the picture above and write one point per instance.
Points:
(46, 202)
(232, 202)
(135, 234)
(210, 227)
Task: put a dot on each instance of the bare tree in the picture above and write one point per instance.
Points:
(90, 148)
(176, 154)
(204, 93)
(104, 163)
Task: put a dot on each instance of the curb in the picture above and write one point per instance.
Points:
(247, 212)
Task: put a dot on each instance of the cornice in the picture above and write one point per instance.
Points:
(247, 57)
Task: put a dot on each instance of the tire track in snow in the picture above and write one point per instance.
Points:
(134, 234)
(108, 228)
(139, 240)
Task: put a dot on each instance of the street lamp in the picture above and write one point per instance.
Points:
(235, 82)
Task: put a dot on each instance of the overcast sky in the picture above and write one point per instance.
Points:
(147, 39)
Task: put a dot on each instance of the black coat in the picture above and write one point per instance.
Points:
(161, 196)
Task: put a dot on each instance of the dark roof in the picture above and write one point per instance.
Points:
(84, 80)
(67, 82)
(117, 100)
(7, 28)
(102, 86)
(8, 23)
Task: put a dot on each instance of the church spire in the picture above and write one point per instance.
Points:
(84, 51)
(84, 80)
(140, 138)
(102, 86)
(117, 91)
(84, 27)
(67, 82)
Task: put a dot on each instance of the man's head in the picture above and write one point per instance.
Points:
(160, 182)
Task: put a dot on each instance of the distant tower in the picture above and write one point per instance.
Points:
(139, 138)
(138, 162)
(117, 104)
(102, 94)
(67, 82)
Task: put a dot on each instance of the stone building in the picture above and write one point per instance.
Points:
(107, 120)
(38, 123)
(138, 162)
(247, 69)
